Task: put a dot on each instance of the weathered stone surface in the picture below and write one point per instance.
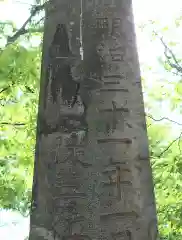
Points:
(92, 175)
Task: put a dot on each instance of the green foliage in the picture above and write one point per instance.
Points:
(19, 86)
(168, 184)
(165, 135)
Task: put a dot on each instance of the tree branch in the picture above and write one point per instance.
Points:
(33, 30)
(29, 89)
(6, 88)
(164, 118)
(179, 143)
(166, 149)
(175, 140)
(176, 64)
(12, 124)
(23, 30)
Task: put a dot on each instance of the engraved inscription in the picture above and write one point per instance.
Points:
(113, 76)
(115, 140)
(115, 27)
(118, 222)
(118, 182)
(113, 90)
(119, 176)
(124, 235)
(116, 57)
(60, 43)
(102, 23)
(59, 71)
(107, 216)
(95, 3)
(76, 237)
(116, 23)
